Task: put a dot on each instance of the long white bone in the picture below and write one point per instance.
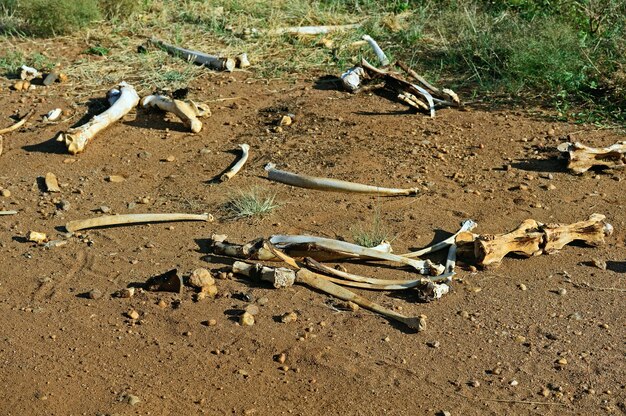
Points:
(188, 112)
(334, 185)
(311, 30)
(466, 225)
(210, 61)
(382, 58)
(109, 220)
(19, 124)
(245, 148)
(77, 138)
(422, 266)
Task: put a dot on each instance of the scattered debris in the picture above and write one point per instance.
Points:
(19, 124)
(581, 158)
(187, 111)
(242, 61)
(52, 185)
(200, 58)
(169, 281)
(245, 148)
(110, 220)
(28, 73)
(122, 101)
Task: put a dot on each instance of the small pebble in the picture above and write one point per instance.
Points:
(252, 309)
(281, 358)
(464, 314)
(170, 158)
(200, 278)
(94, 294)
(562, 291)
(600, 264)
(474, 383)
(561, 361)
(289, 317)
(104, 209)
(246, 319)
(545, 392)
(115, 178)
(6, 193)
(285, 368)
(522, 287)
(262, 301)
(162, 304)
(513, 383)
(212, 322)
(132, 400)
(210, 291)
(433, 344)
(133, 314)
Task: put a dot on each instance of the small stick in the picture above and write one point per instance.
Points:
(333, 185)
(109, 220)
(19, 124)
(237, 166)
(8, 212)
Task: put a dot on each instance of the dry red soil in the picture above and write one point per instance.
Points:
(490, 348)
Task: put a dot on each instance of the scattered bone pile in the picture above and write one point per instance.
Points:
(581, 158)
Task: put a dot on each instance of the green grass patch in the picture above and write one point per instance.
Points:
(253, 202)
(374, 234)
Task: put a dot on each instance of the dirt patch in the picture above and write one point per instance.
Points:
(489, 348)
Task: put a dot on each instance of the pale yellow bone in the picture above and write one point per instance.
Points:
(110, 220)
(582, 158)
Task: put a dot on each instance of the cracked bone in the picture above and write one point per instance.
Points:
(19, 123)
(28, 73)
(582, 158)
(282, 277)
(200, 58)
(245, 148)
(466, 225)
(382, 58)
(351, 79)
(526, 240)
(188, 112)
(333, 185)
(111, 220)
(592, 231)
(76, 139)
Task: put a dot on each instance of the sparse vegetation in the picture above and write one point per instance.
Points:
(373, 235)
(251, 203)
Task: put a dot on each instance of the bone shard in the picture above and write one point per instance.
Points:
(210, 61)
(28, 73)
(245, 148)
(19, 124)
(53, 115)
(52, 184)
(188, 112)
(242, 61)
(526, 240)
(592, 231)
(76, 139)
(582, 158)
(382, 58)
(110, 220)
(333, 185)
(351, 79)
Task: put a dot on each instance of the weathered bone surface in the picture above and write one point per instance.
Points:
(466, 225)
(245, 148)
(76, 139)
(413, 101)
(582, 158)
(444, 96)
(351, 79)
(242, 61)
(52, 185)
(19, 124)
(110, 220)
(382, 58)
(53, 115)
(333, 185)
(525, 240)
(28, 73)
(8, 212)
(422, 266)
(200, 58)
(188, 112)
(311, 30)
(593, 231)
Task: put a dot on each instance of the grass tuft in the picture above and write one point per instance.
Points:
(375, 234)
(251, 203)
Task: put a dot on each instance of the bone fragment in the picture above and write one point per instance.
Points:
(525, 240)
(37, 237)
(582, 158)
(188, 112)
(333, 185)
(77, 138)
(451, 260)
(1, 145)
(351, 79)
(242, 61)
(28, 73)
(422, 266)
(592, 231)
(311, 30)
(200, 58)
(52, 185)
(413, 101)
(110, 220)
(53, 115)
(8, 213)
(19, 124)
(382, 58)
(237, 166)
(466, 225)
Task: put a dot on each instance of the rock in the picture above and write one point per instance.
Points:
(561, 291)
(144, 155)
(133, 314)
(281, 358)
(200, 278)
(211, 322)
(170, 158)
(252, 309)
(246, 319)
(6, 193)
(433, 344)
(52, 184)
(522, 287)
(50, 78)
(127, 292)
(464, 314)
(289, 317)
(513, 383)
(210, 291)
(94, 294)
(600, 264)
(474, 383)
(132, 400)
(169, 281)
(37, 237)
(65, 205)
(285, 121)
(262, 301)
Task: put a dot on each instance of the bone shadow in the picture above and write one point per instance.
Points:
(49, 146)
(541, 165)
(439, 235)
(616, 266)
(153, 120)
(328, 83)
(217, 178)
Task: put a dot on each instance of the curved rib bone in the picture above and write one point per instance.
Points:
(109, 220)
(77, 138)
(188, 112)
(582, 158)
(333, 185)
(466, 225)
(237, 166)
(19, 124)
(382, 58)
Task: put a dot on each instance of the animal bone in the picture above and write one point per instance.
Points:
(445, 95)
(311, 30)
(592, 232)
(351, 79)
(52, 185)
(237, 166)
(109, 220)
(28, 73)
(525, 240)
(333, 185)
(582, 158)
(188, 112)
(413, 101)
(77, 138)
(8, 212)
(422, 266)
(210, 61)
(53, 115)
(285, 277)
(466, 225)
(37, 237)
(19, 124)
(382, 58)
(242, 61)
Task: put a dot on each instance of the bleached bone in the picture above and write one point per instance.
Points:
(52, 185)
(28, 73)
(451, 261)
(53, 115)
(210, 61)
(19, 123)
(351, 79)
(237, 166)
(37, 237)
(413, 101)
(525, 240)
(592, 231)
(110, 220)
(382, 58)
(188, 112)
(582, 158)
(242, 61)
(422, 266)
(466, 225)
(76, 139)
(283, 276)
(311, 30)
(445, 96)
(8, 212)
(333, 185)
